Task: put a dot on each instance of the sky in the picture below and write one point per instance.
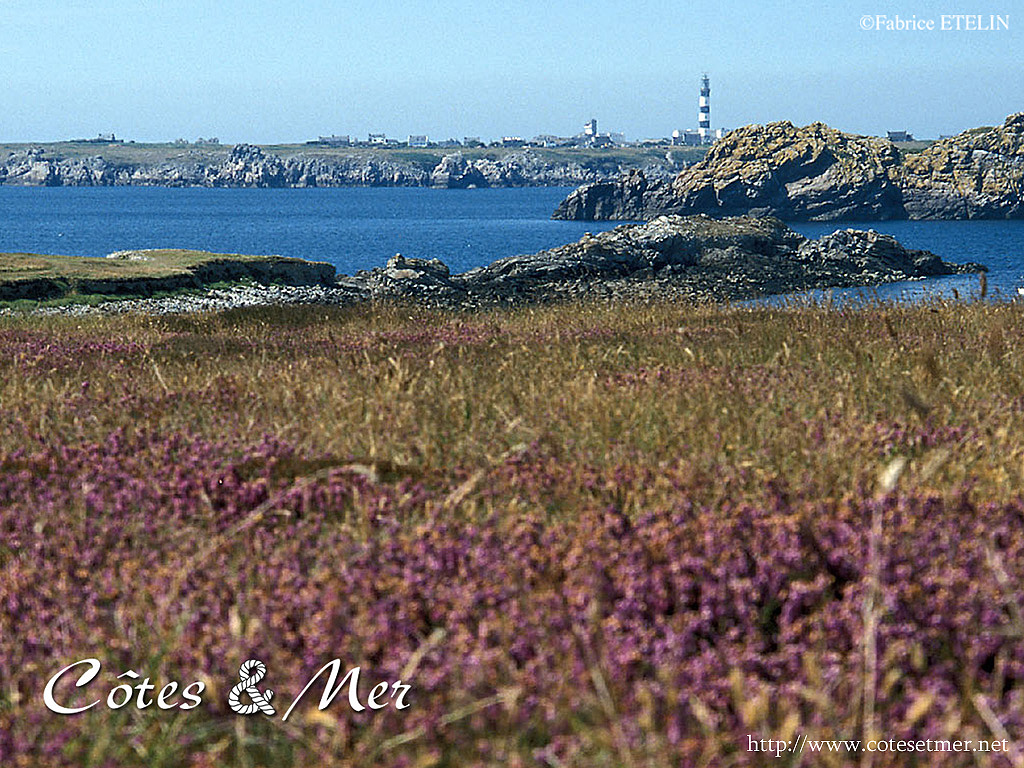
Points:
(274, 72)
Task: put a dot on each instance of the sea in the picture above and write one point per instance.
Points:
(360, 228)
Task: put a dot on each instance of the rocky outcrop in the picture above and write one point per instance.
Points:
(671, 257)
(976, 175)
(629, 198)
(247, 165)
(456, 172)
(423, 280)
(692, 257)
(817, 173)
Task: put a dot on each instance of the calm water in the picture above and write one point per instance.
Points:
(361, 228)
(350, 228)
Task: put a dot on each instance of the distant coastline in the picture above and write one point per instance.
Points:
(91, 163)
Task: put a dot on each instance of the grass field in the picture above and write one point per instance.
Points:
(585, 536)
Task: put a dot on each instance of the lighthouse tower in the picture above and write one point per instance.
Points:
(704, 124)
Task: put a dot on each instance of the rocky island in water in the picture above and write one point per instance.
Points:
(686, 257)
(817, 173)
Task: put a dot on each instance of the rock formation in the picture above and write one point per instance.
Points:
(976, 175)
(817, 173)
(692, 257)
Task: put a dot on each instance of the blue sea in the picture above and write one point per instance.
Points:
(361, 228)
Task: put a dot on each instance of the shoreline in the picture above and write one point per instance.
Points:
(244, 297)
(71, 164)
(685, 259)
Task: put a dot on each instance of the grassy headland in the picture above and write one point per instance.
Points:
(141, 273)
(585, 535)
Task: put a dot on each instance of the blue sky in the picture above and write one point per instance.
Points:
(268, 71)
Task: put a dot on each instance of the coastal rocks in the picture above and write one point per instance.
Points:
(642, 250)
(425, 280)
(456, 172)
(671, 256)
(629, 198)
(226, 268)
(247, 165)
(33, 168)
(267, 270)
(854, 251)
(813, 173)
(158, 271)
(976, 175)
(810, 173)
(422, 270)
(250, 166)
(29, 168)
(817, 173)
(526, 169)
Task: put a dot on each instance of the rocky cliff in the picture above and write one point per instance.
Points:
(976, 175)
(817, 173)
(247, 165)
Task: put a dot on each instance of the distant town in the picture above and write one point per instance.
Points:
(590, 137)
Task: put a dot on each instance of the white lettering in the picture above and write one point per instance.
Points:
(85, 679)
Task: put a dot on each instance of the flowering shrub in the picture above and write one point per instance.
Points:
(584, 536)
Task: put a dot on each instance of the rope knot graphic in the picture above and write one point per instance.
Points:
(250, 674)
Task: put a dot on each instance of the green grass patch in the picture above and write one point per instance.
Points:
(47, 278)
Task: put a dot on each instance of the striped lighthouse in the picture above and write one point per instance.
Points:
(704, 124)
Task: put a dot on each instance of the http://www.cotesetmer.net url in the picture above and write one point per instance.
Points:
(801, 744)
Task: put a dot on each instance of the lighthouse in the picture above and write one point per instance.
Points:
(704, 124)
